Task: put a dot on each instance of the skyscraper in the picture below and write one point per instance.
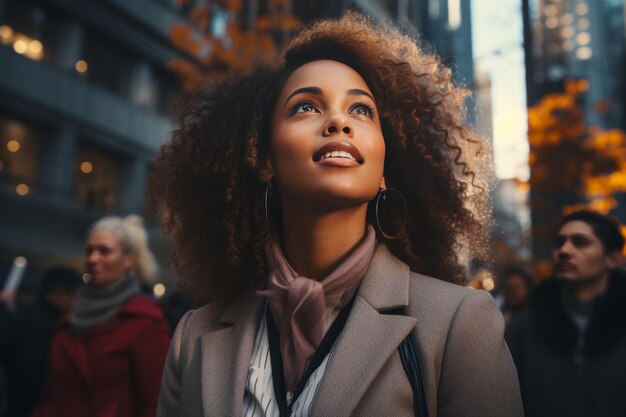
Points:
(579, 39)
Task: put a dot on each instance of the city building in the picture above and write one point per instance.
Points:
(85, 102)
(85, 93)
(579, 39)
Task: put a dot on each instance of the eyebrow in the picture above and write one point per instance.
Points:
(318, 91)
(313, 90)
(574, 235)
(359, 92)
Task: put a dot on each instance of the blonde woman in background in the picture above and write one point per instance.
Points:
(107, 358)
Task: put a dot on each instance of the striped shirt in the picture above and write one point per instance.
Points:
(259, 399)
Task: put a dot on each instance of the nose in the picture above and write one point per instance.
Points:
(92, 257)
(564, 251)
(338, 123)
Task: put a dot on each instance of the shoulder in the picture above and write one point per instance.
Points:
(444, 296)
(142, 306)
(199, 321)
(445, 310)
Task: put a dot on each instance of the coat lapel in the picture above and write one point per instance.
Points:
(369, 338)
(226, 355)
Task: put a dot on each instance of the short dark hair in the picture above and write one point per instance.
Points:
(606, 228)
(60, 277)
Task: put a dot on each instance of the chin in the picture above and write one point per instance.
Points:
(344, 199)
(329, 196)
(565, 277)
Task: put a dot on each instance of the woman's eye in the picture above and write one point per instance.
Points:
(363, 110)
(304, 108)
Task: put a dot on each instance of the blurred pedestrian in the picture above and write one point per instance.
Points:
(514, 285)
(174, 306)
(570, 345)
(29, 334)
(324, 184)
(107, 358)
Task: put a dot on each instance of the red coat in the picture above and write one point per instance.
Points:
(113, 369)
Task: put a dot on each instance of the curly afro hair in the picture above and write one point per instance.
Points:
(205, 184)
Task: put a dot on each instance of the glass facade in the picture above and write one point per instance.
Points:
(19, 155)
(580, 39)
(40, 32)
(96, 184)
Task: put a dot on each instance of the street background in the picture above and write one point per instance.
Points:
(87, 92)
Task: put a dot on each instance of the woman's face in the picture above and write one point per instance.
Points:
(105, 260)
(327, 148)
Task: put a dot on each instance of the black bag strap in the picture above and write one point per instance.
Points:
(411, 365)
(320, 354)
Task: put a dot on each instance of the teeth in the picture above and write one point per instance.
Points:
(337, 154)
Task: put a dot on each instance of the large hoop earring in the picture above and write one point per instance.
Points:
(268, 199)
(391, 212)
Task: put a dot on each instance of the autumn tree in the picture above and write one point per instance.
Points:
(223, 35)
(573, 166)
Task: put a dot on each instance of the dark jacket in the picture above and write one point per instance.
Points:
(113, 369)
(563, 372)
(24, 354)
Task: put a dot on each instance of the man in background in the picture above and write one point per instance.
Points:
(569, 346)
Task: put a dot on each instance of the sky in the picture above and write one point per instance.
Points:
(497, 37)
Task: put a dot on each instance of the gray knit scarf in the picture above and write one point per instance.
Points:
(95, 304)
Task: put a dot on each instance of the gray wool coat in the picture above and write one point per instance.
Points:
(458, 333)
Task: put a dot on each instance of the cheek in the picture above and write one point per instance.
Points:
(380, 151)
(597, 260)
(376, 152)
(289, 147)
(114, 263)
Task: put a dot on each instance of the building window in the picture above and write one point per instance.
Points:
(96, 173)
(23, 27)
(19, 149)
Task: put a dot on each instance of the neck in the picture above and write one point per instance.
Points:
(589, 289)
(315, 243)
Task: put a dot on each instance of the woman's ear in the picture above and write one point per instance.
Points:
(266, 173)
(383, 186)
(130, 261)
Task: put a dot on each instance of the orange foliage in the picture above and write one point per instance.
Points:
(238, 49)
(569, 157)
(556, 118)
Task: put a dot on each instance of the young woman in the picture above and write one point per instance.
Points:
(310, 202)
(107, 356)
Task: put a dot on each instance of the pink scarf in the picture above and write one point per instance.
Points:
(301, 305)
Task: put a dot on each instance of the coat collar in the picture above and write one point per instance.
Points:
(351, 369)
